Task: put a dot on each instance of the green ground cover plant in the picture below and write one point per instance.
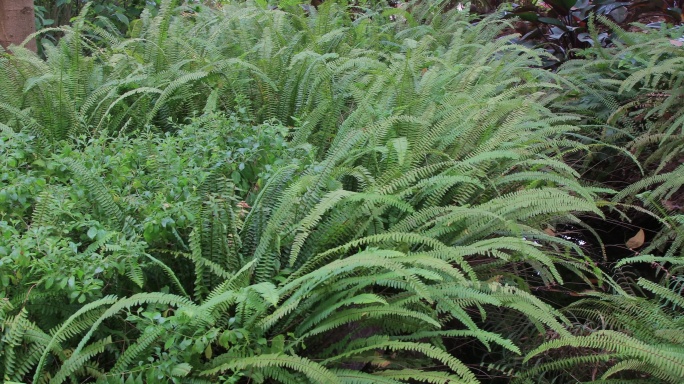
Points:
(337, 194)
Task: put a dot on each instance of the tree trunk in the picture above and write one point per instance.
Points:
(17, 22)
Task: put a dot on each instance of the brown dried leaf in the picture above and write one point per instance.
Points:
(676, 43)
(669, 205)
(637, 240)
(549, 231)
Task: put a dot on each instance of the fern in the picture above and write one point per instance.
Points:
(658, 362)
(312, 370)
(405, 212)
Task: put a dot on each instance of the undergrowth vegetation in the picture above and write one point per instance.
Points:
(244, 194)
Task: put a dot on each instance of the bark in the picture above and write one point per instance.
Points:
(17, 22)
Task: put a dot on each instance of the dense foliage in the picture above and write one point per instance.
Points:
(339, 194)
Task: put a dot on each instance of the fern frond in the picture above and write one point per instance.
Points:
(314, 371)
